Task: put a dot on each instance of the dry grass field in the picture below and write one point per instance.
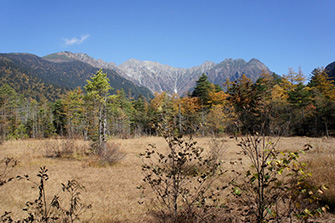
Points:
(112, 190)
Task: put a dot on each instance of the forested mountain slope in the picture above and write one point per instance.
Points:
(68, 56)
(26, 84)
(66, 75)
(330, 68)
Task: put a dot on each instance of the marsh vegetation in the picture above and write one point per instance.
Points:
(112, 189)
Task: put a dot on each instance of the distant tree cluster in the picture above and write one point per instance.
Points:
(276, 104)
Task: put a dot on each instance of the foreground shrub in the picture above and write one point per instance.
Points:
(65, 148)
(111, 155)
(6, 166)
(276, 186)
(57, 209)
(321, 163)
(181, 179)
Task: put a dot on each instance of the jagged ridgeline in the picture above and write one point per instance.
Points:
(159, 77)
(40, 78)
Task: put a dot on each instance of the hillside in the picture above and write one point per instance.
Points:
(67, 56)
(331, 70)
(28, 85)
(67, 74)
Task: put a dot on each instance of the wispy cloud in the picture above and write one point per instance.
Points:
(75, 40)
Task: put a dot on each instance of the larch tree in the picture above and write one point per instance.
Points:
(74, 110)
(321, 81)
(97, 93)
(323, 97)
(189, 111)
(243, 96)
(221, 111)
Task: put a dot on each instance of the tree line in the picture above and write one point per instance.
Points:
(286, 105)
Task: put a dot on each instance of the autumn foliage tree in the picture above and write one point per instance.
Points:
(74, 110)
(243, 96)
(323, 103)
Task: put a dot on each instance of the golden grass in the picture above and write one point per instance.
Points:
(112, 190)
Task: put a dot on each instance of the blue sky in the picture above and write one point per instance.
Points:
(182, 33)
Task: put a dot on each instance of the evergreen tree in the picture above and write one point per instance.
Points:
(9, 100)
(140, 116)
(59, 117)
(202, 89)
(97, 93)
(120, 111)
(300, 97)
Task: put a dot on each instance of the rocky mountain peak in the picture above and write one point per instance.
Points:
(254, 61)
(60, 57)
(159, 77)
(208, 64)
(130, 62)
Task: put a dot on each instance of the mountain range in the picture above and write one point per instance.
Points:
(158, 77)
(66, 70)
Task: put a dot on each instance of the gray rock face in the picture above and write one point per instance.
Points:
(233, 69)
(155, 76)
(158, 77)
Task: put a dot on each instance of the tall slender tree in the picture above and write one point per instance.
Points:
(202, 90)
(97, 93)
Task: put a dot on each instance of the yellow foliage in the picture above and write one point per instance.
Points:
(216, 117)
(216, 98)
(279, 94)
(190, 105)
(158, 101)
(323, 84)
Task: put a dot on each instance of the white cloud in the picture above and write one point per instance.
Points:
(75, 40)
